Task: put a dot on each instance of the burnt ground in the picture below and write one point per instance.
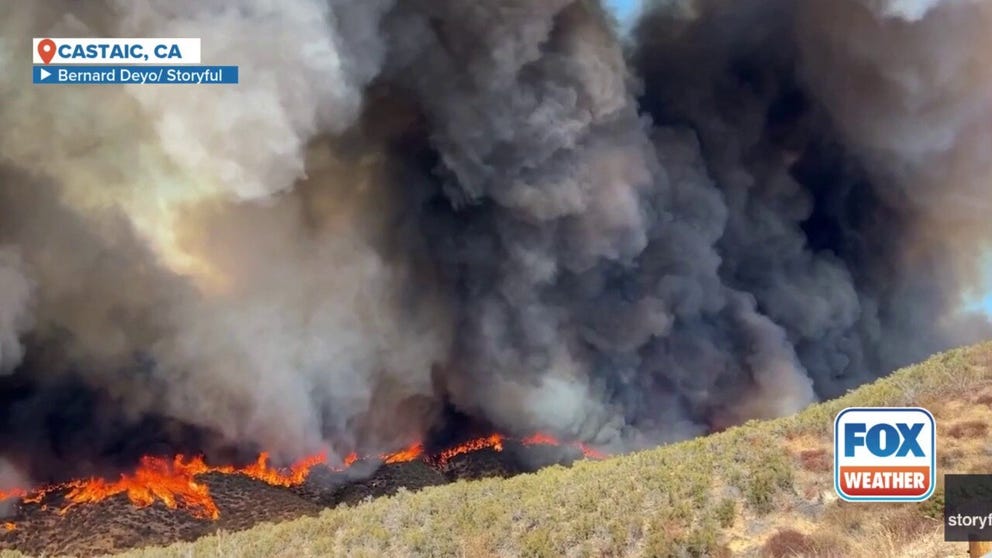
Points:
(116, 525)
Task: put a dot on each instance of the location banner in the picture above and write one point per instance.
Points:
(117, 51)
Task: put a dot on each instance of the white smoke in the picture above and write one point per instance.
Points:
(311, 320)
(269, 317)
(909, 10)
(16, 317)
(10, 479)
(150, 150)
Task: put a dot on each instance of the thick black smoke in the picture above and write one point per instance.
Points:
(496, 206)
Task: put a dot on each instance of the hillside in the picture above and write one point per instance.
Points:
(762, 489)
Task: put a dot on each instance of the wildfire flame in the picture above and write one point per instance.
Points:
(296, 474)
(494, 442)
(155, 478)
(546, 440)
(13, 493)
(350, 459)
(540, 439)
(409, 453)
(174, 481)
(590, 453)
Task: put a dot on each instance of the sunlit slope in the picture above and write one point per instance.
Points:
(763, 489)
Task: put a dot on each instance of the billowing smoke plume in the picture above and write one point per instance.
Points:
(197, 255)
(413, 204)
(847, 140)
(15, 311)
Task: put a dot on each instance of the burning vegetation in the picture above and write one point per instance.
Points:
(173, 482)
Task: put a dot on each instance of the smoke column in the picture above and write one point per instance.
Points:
(15, 316)
(492, 206)
(205, 256)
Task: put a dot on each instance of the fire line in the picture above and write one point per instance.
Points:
(173, 482)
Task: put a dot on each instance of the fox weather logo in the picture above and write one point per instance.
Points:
(885, 454)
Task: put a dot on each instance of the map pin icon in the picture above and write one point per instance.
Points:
(46, 49)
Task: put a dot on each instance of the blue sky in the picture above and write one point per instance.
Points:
(983, 300)
(987, 304)
(624, 9)
(983, 304)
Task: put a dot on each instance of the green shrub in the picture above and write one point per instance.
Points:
(726, 512)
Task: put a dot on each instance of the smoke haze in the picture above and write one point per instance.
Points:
(497, 207)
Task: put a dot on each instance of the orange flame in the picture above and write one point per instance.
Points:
(494, 442)
(296, 474)
(39, 496)
(8, 526)
(12, 493)
(411, 452)
(540, 439)
(590, 453)
(173, 482)
(350, 459)
(154, 479)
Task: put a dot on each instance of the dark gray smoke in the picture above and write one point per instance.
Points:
(849, 150)
(493, 206)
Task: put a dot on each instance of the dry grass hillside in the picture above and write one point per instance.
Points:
(762, 489)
